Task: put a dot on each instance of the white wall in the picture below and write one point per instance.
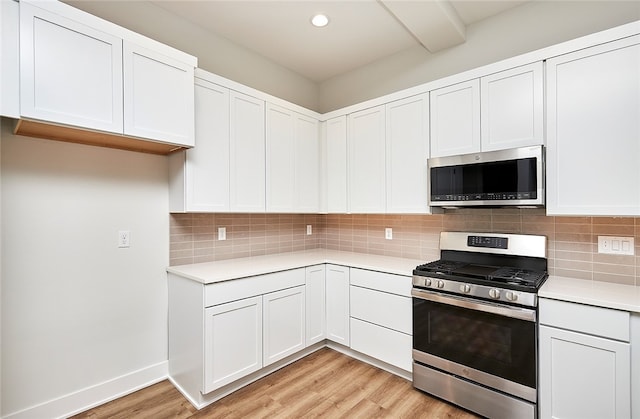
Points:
(76, 310)
(526, 28)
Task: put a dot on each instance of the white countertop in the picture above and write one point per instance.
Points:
(596, 293)
(224, 270)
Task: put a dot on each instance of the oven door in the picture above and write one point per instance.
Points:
(491, 344)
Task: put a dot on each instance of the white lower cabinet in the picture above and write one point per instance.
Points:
(585, 361)
(337, 288)
(283, 324)
(315, 304)
(233, 342)
(381, 316)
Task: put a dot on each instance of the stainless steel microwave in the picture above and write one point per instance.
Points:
(513, 177)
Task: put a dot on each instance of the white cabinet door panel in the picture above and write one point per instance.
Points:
(280, 159)
(387, 345)
(593, 133)
(69, 73)
(307, 165)
(315, 307)
(207, 165)
(233, 342)
(247, 151)
(407, 150)
(455, 119)
(284, 324)
(336, 172)
(159, 96)
(387, 310)
(367, 161)
(583, 376)
(337, 285)
(512, 109)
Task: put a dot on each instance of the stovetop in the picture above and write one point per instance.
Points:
(502, 276)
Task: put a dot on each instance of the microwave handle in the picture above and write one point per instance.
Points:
(499, 309)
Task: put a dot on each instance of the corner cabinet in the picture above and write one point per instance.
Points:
(80, 71)
(315, 304)
(292, 161)
(593, 134)
(336, 164)
(585, 361)
(495, 112)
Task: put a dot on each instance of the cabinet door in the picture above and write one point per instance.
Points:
(337, 286)
(455, 119)
(367, 161)
(247, 151)
(336, 144)
(158, 97)
(233, 342)
(315, 304)
(583, 376)
(407, 150)
(280, 159)
(69, 73)
(207, 165)
(284, 331)
(512, 108)
(593, 134)
(307, 165)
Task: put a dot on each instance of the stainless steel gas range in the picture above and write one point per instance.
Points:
(475, 322)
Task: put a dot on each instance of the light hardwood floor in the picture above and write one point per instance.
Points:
(324, 384)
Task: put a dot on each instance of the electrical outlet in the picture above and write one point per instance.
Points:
(616, 245)
(222, 233)
(124, 238)
(388, 233)
(309, 229)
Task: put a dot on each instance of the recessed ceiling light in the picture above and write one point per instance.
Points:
(320, 20)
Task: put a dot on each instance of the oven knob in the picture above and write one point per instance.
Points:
(465, 288)
(427, 282)
(511, 296)
(494, 293)
(440, 283)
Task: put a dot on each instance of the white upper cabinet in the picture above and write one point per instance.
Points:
(512, 109)
(247, 153)
(593, 130)
(81, 71)
(366, 161)
(69, 73)
(336, 164)
(199, 177)
(407, 150)
(455, 119)
(158, 96)
(496, 112)
(292, 161)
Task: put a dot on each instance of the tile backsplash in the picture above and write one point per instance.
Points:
(572, 241)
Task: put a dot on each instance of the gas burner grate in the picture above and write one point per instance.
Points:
(441, 266)
(517, 276)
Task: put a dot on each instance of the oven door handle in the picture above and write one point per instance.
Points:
(499, 309)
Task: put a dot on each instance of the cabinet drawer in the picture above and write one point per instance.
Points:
(223, 292)
(395, 284)
(598, 321)
(384, 344)
(388, 310)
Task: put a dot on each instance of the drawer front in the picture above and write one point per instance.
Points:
(381, 343)
(388, 310)
(598, 321)
(237, 289)
(394, 284)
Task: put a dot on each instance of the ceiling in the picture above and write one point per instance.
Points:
(359, 32)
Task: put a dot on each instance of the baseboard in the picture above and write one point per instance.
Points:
(96, 395)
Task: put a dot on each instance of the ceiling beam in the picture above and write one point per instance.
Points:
(433, 23)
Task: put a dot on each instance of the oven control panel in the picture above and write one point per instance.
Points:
(488, 241)
(508, 296)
